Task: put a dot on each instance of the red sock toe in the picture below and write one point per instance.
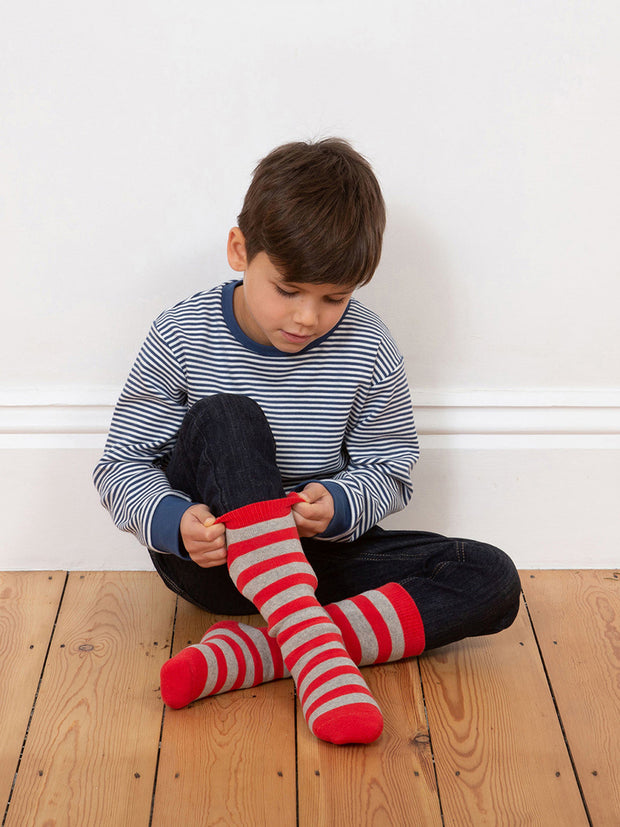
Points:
(183, 678)
(361, 724)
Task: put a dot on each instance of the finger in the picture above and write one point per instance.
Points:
(305, 526)
(303, 510)
(209, 559)
(200, 512)
(313, 492)
(214, 532)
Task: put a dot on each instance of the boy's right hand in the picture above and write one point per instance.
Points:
(203, 538)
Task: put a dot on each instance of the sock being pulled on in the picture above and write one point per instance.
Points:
(377, 626)
(267, 564)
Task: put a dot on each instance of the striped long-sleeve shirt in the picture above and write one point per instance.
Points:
(340, 412)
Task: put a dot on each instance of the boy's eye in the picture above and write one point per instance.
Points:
(283, 292)
(289, 294)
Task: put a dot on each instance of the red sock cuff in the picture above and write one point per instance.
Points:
(260, 511)
(410, 618)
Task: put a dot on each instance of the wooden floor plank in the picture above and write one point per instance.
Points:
(498, 746)
(228, 759)
(390, 782)
(28, 606)
(91, 752)
(576, 615)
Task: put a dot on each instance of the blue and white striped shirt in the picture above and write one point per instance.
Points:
(340, 412)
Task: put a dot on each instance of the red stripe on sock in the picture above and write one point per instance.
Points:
(291, 580)
(351, 641)
(330, 647)
(240, 547)
(222, 669)
(237, 631)
(239, 655)
(328, 675)
(410, 618)
(302, 625)
(338, 692)
(260, 511)
(297, 605)
(276, 656)
(378, 625)
(266, 566)
(242, 665)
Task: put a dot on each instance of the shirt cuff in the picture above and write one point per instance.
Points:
(165, 526)
(341, 521)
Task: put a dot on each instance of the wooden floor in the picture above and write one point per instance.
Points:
(521, 728)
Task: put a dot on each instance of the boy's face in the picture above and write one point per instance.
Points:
(287, 315)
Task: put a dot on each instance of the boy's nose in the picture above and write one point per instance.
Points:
(306, 314)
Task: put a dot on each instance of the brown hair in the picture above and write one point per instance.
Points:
(316, 209)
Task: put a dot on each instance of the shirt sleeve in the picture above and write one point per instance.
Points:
(382, 446)
(146, 420)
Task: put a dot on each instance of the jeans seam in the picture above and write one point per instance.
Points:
(438, 569)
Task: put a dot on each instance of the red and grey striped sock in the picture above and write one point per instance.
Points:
(267, 564)
(377, 626)
(231, 655)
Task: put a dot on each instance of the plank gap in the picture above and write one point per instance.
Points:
(430, 743)
(577, 619)
(36, 696)
(163, 715)
(499, 753)
(295, 737)
(557, 711)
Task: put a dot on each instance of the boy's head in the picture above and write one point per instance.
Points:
(317, 211)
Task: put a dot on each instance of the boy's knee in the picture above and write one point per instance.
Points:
(500, 581)
(224, 409)
(229, 420)
(225, 405)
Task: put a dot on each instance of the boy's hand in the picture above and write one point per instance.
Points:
(313, 516)
(203, 538)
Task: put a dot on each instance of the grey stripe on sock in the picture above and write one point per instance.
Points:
(212, 668)
(232, 663)
(363, 630)
(235, 535)
(338, 703)
(267, 552)
(388, 613)
(276, 573)
(258, 638)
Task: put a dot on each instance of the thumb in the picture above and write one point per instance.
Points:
(201, 513)
(313, 492)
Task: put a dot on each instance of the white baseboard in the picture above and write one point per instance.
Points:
(88, 410)
(535, 472)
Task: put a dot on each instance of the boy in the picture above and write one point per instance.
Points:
(263, 432)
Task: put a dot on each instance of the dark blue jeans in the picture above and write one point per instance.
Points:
(225, 457)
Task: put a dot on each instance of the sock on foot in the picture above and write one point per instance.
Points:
(230, 656)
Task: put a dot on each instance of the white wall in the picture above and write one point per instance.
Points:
(129, 132)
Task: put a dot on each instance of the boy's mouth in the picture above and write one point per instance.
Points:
(294, 339)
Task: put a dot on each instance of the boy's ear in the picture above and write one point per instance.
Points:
(237, 256)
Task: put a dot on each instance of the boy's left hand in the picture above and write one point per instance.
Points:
(313, 516)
